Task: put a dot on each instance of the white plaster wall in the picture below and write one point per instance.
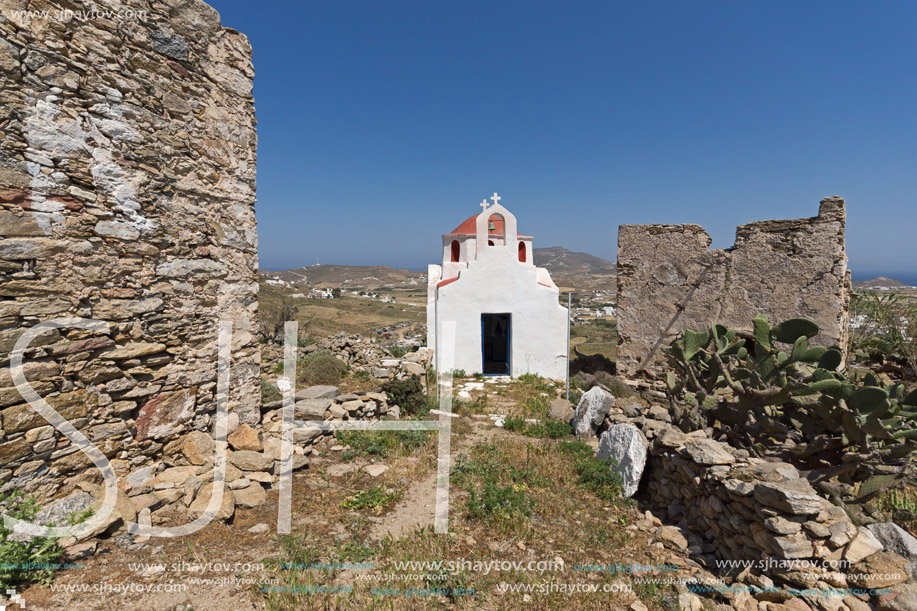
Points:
(495, 283)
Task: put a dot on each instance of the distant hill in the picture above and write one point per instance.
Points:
(568, 269)
(349, 276)
(559, 259)
(880, 282)
(577, 270)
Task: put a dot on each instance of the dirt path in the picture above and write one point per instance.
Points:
(418, 507)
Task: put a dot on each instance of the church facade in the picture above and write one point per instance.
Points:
(506, 313)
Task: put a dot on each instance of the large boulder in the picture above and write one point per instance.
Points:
(627, 446)
(898, 541)
(591, 411)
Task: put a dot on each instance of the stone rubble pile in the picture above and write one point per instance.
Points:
(367, 355)
(723, 505)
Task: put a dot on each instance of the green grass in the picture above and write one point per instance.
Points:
(377, 498)
(549, 429)
(382, 443)
(19, 559)
(495, 500)
(593, 474)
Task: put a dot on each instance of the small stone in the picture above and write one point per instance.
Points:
(841, 533)
(657, 412)
(879, 570)
(252, 496)
(227, 505)
(250, 461)
(902, 598)
(375, 470)
(311, 409)
(781, 525)
(689, 602)
(897, 540)
(352, 406)
(789, 499)
(672, 536)
(257, 529)
(198, 447)
(863, 545)
(245, 438)
(561, 410)
(317, 392)
(708, 452)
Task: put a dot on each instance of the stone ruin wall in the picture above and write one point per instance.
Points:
(733, 507)
(127, 193)
(669, 280)
(755, 529)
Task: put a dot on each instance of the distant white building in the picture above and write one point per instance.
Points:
(507, 317)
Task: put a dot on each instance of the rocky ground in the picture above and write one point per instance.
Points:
(361, 507)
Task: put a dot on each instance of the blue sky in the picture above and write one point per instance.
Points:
(383, 124)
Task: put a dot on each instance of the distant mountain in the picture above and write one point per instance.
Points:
(567, 268)
(579, 271)
(880, 282)
(559, 259)
(348, 276)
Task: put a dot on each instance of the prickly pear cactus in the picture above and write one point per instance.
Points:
(770, 385)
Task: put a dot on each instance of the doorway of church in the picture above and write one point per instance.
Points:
(495, 343)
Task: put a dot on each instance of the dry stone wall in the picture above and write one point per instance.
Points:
(766, 517)
(127, 192)
(759, 529)
(669, 280)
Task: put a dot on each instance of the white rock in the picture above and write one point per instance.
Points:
(591, 411)
(627, 446)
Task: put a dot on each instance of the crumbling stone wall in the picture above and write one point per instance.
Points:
(127, 192)
(669, 280)
(765, 515)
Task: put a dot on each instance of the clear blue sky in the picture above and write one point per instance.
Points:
(382, 124)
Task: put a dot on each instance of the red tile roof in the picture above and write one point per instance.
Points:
(469, 226)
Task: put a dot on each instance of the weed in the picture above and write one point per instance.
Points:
(599, 477)
(549, 429)
(408, 394)
(500, 501)
(321, 367)
(30, 560)
(361, 374)
(376, 498)
(538, 383)
(381, 443)
(269, 392)
(398, 350)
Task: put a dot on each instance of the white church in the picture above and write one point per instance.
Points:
(506, 313)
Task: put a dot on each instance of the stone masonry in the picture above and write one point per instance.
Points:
(669, 280)
(127, 193)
